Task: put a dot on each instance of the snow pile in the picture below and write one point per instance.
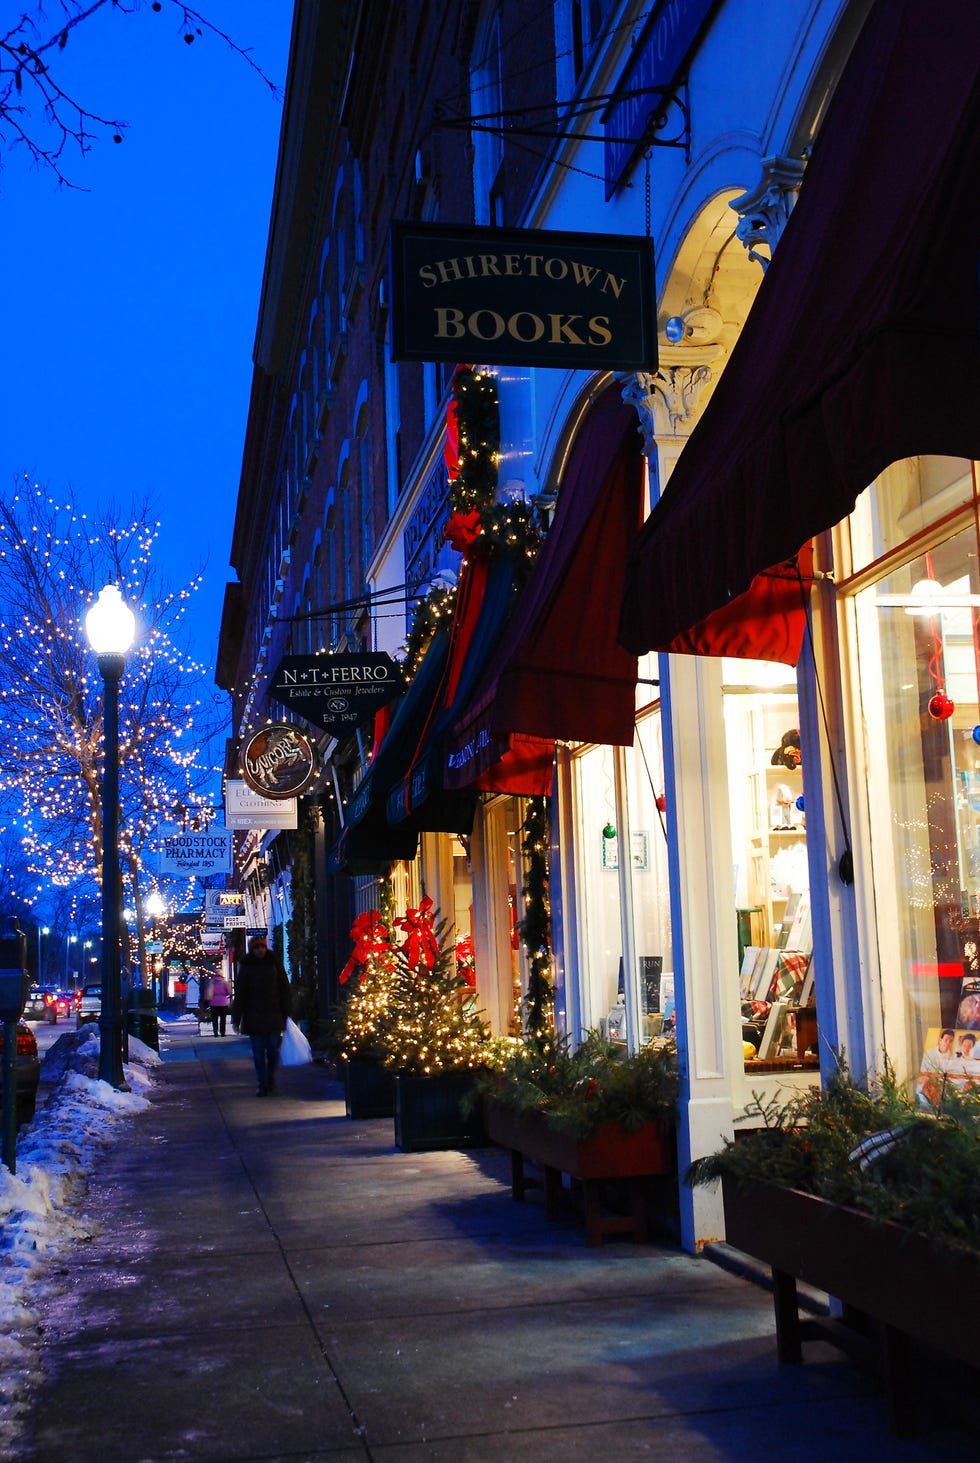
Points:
(55, 1154)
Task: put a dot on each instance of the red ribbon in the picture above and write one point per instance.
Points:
(370, 936)
(463, 530)
(420, 943)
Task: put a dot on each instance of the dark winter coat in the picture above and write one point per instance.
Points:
(262, 996)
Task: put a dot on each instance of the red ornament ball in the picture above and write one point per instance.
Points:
(941, 707)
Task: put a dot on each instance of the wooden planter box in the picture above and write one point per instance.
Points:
(609, 1153)
(428, 1113)
(902, 1282)
(368, 1091)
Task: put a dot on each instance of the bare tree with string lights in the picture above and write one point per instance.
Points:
(53, 559)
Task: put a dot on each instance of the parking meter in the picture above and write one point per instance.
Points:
(14, 980)
(14, 985)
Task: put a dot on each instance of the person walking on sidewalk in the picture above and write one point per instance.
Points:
(220, 1001)
(261, 1007)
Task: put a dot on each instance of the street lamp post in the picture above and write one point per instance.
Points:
(41, 930)
(154, 907)
(69, 941)
(110, 626)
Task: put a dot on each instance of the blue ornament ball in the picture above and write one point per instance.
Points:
(976, 735)
(799, 802)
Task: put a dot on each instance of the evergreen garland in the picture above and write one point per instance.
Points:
(535, 927)
(432, 612)
(508, 526)
(478, 422)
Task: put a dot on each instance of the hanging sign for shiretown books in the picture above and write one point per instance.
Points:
(336, 692)
(517, 297)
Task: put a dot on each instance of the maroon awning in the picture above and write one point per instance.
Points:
(862, 345)
(558, 671)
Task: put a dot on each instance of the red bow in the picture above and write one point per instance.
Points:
(420, 942)
(463, 530)
(370, 936)
(466, 960)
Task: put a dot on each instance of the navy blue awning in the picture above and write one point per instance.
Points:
(369, 842)
(420, 796)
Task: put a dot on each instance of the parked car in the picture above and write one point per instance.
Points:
(89, 1005)
(58, 1006)
(36, 1007)
(46, 1003)
(28, 1073)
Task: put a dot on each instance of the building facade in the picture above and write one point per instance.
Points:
(754, 722)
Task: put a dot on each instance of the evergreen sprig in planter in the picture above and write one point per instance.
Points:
(596, 1115)
(856, 1191)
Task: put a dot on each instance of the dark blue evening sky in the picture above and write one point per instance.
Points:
(129, 310)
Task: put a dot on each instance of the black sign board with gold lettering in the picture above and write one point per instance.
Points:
(336, 692)
(531, 297)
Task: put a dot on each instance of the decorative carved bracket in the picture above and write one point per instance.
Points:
(764, 209)
(666, 400)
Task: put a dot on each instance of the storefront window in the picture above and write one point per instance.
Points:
(601, 876)
(908, 497)
(769, 862)
(462, 932)
(503, 820)
(648, 869)
(919, 656)
(597, 864)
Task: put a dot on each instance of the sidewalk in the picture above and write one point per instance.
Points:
(273, 1281)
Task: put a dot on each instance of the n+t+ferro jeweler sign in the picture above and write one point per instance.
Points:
(336, 692)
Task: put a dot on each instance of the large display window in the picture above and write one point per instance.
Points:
(919, 687)
(622, 894)
(503, 996)
(770, 874)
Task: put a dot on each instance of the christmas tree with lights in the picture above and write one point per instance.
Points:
(362, 1030)
(407, 1004)
(436, 1024)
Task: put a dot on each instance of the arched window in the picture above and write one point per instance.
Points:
(346, 528)
(315, 356)
(295, 448)
(330, 553)
(306, 624)
(364, 477)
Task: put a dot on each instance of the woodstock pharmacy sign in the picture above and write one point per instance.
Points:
(523, 297)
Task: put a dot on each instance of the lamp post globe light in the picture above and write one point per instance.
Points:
(41, 930)
(154, 906)
(110, 626)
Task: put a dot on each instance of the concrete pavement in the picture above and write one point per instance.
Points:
(270, 1280)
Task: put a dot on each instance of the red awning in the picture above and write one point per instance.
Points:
(558, 672)
(862, 345)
